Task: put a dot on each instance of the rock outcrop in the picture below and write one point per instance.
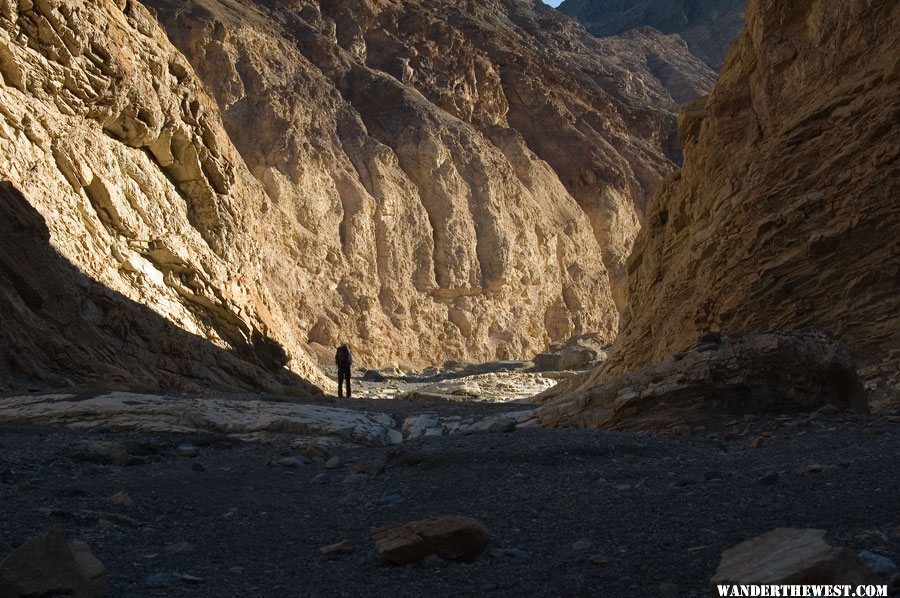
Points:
(785, 214)
(719, 378)
(129, 253)
(708, 26)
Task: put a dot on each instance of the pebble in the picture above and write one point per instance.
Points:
(345, 547)
(515, 553)
(668, 590)
(187, 450)
(179, 547)
(880, 564)
(433, 561)
(162, 580)
(599, 559)
(121, 499)
(582, 545)
(355, 477)
(197, 467)
(767, 479)
(333, 463)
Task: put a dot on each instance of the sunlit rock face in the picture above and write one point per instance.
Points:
(784, 216)
(708, 26)
(132, 230)
(463, 180)
(422, 180)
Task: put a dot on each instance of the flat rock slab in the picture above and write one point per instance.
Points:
(162, 414)
(491, 387)
(450, 537)
(790, 556)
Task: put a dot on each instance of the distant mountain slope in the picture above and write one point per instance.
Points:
(708, 26)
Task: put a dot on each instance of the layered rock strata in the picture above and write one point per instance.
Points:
(131, 230)
(785, 215)
(454, 169)
(718, 378)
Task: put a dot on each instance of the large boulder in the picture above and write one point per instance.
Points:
(718, 377)
(450, 537)
(49, 565)
(790, 556)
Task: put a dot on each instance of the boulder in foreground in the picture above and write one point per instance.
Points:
(790, 556)
(49, 565)
(450, 537)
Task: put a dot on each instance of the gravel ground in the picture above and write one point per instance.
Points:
(654, 509)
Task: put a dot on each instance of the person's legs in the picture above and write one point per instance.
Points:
(340, 384)
(349, 395)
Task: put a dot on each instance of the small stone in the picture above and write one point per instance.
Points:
(880, 564)
(811, 469)
(582, 545)
(197, 467)
(94, 451)
(599, 559)
(187, 450)
(162, 580)
(682, 482)
(354, 478)
(680, 355)
(290, 462)
(70, 493)
(333, 463)
(758, 442)
(179, 547)
(710, 336)
(515, 553)
(767, 479)
(631, 458)
(345, 547)
(191, 578)
(121, 499)
(668, 590)
(322, 478)
(433, 561)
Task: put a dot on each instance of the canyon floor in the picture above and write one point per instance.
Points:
(571, 512)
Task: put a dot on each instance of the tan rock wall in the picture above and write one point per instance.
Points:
(785, 215)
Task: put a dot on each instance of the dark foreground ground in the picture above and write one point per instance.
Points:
(654, 509)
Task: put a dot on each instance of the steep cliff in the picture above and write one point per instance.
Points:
(131, 229)
(708, 26)
(785, 215)
(455, 170)
(423, 180)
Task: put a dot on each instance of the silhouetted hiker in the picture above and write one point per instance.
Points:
(344, 360)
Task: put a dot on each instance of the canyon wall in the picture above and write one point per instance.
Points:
(131, 228)
(423, 180)
(785, 214)
(708, 26)
(466, 178)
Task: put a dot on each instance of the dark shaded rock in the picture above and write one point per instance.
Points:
(49, 565)
(450, 537)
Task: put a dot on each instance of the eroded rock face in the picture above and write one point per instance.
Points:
(784, 216)
(708, 26)
(715, 379)
(129, 253)
(424, 180)
(454, 169)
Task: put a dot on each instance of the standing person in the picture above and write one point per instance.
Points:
(344, 360)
